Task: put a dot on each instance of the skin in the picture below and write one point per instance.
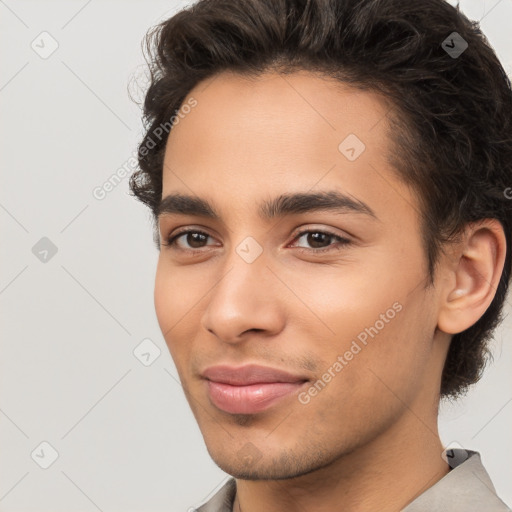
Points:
(369, 439)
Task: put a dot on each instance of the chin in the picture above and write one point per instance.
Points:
(280, 466)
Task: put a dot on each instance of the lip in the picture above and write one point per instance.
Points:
(249, 389)
(249, 374)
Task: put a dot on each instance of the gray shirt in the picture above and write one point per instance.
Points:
(466, 488)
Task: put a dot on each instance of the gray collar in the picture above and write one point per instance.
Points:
(466, 487)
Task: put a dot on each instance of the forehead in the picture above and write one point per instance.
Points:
(276, 109)
(248, 139)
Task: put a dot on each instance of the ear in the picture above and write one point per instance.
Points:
(473, 276)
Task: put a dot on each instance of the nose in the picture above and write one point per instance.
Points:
(245, 299)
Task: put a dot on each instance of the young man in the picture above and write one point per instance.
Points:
(333, 216)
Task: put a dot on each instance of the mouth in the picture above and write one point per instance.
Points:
(249, 389)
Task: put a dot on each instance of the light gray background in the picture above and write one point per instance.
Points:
(125, 437)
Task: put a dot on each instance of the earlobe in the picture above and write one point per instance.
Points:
(474, 277)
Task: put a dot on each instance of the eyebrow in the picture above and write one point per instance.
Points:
(280, 206)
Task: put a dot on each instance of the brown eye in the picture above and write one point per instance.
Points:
(319, 240)
(193, 238)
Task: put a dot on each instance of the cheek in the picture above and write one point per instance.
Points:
(178, 296)
(342, 301)
(372, 389)
(163, 298)
(384, 371)
(171, 308)
(375, 324)
(175, 295)
(168, 309)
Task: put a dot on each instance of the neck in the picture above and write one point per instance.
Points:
(385, 474)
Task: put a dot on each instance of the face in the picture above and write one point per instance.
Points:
(330, 290)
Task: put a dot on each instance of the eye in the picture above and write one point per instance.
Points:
(193, 237)
(318, 238)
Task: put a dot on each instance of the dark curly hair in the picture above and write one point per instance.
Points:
(450, 126)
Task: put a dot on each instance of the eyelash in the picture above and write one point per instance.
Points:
(171, 241)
